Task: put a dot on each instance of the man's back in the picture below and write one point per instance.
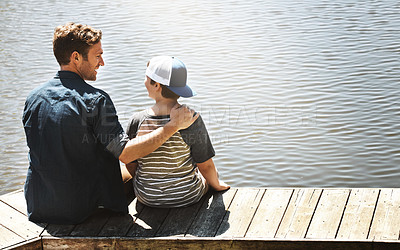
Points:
(70, 127)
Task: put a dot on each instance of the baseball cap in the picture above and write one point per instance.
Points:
(171, 72)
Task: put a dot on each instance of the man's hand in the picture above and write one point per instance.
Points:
(182, 116)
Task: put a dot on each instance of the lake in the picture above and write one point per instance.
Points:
(293, 93)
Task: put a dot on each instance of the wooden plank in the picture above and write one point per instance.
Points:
(269, 213)
(358, 215)
(148, 222)
(18, 223)
(386, 221)
(119, 225)
(8, 238)
(179, 220)
(116, 225)
(211, 214)
(16, 200)
(35, 243)
(328, 214)
(299, 213)
(241, 218)
(93, 225)
(209, 243)
(58, 230)
(240, 213)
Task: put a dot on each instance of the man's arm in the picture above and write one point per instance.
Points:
(181, 118)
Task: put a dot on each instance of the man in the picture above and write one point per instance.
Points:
(75, 138)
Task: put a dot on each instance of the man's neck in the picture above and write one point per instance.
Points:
(70, 68)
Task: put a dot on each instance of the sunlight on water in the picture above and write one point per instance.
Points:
(293, 93)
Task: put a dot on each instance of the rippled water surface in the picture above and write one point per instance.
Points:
(294, 93)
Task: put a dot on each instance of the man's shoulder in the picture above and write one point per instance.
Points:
(58, 90)
(40, 90)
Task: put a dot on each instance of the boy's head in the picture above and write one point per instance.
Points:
(171, 73)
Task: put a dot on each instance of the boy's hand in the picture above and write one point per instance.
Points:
(182, 116)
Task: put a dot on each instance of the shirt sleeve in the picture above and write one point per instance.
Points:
(196, 136)
(134, 124)
(107, 129)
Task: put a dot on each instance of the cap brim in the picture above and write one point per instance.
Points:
(185, 91)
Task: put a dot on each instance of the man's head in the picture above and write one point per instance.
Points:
(78, 48)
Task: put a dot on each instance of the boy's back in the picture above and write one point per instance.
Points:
(180, 171)
(168, 177)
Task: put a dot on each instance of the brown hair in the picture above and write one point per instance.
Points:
(73, 37)
(165, 92)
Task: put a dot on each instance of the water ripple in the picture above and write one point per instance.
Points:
(297, 93)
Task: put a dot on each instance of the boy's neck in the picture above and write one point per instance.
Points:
(163, 106)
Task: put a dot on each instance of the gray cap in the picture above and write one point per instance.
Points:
(171, 72)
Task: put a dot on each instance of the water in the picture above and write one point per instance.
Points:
(294, 93)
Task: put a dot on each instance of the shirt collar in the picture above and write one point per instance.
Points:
(67, 74)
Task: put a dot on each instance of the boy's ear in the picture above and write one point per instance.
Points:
(157, 86)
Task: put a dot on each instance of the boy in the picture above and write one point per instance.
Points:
(170, 177)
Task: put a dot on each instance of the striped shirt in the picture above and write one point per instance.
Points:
(168, 177)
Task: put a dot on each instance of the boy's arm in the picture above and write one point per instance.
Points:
(208, 170)
(126, 175)
(181, 118)
(128, 171)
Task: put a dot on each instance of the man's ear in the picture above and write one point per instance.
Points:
(75, 57)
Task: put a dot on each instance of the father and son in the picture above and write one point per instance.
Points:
(76, 142)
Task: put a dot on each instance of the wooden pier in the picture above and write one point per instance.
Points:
(240, 218)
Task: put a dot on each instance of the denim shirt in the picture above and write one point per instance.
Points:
(74, 139)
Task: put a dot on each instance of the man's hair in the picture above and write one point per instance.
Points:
(73, 37)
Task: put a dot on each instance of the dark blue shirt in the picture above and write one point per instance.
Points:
(74, 139)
